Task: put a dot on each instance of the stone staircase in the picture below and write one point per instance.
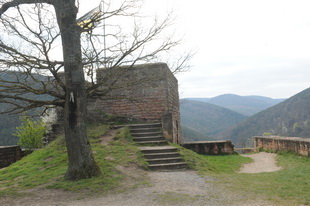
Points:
(146, 134)
(155, 148)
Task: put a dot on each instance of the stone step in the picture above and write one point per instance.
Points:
(148, 125)
(143, 139)
(146, 134)
(157, 149)
(158, 155)
(155, 142)
(168, 166)
(145, 130)
(164, 160)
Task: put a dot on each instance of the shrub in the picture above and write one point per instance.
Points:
(30, 133)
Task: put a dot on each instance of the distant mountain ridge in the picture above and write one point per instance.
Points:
(246, 105)
(288, 118)
(190, 135)
(202, 121)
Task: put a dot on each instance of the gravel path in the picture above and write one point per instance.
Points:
(174, 188)
(263, 162)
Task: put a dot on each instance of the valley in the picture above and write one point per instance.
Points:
(232, 117)
(288, 117)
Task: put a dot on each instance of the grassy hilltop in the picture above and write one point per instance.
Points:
(121, 161)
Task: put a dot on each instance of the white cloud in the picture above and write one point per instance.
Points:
(246, 47)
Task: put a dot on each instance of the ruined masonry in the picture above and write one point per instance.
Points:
(9, 154)
(297, 145)
(140, 93)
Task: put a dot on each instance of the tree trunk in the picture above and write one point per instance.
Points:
(81, 162)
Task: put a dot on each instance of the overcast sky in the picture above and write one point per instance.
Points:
(244, 47)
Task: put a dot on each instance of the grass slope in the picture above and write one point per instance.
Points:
(47, 166)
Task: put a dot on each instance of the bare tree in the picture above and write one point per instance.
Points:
(111, 47)
(31, 66)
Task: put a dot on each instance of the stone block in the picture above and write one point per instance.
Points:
(9, 155)
(210, 147)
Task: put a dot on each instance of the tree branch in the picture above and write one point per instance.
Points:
(15, 3)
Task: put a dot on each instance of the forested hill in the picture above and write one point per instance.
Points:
(190, 135)
(246, 105)
(205, 119)
(288, 118)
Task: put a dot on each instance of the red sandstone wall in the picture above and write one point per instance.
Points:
(295, 144)
(146, 93)
(174, 107)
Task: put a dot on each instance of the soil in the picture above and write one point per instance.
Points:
(263, 162)
(165, 188)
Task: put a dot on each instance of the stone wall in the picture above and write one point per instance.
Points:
(210, 147)
(9, 155)
(142, 93)
(297, 145)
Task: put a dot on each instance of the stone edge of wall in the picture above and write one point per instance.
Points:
(9, 155)
(210, 147)
(298, 145)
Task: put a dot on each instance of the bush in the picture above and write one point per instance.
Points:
(30, 133)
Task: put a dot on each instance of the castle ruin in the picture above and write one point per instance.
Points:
(140, 93)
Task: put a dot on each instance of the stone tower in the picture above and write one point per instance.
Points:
(141, 93)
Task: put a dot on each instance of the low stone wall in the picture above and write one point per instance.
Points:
(297, 145)
(244, 150)
(9, 155)
(210, 147)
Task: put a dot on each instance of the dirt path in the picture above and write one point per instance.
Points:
(263, 162)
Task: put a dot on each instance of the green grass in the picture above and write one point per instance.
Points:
(47, 166)
(290, 186)
(213, 164)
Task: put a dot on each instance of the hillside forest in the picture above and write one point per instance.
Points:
(233, 117)
(290, 117)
